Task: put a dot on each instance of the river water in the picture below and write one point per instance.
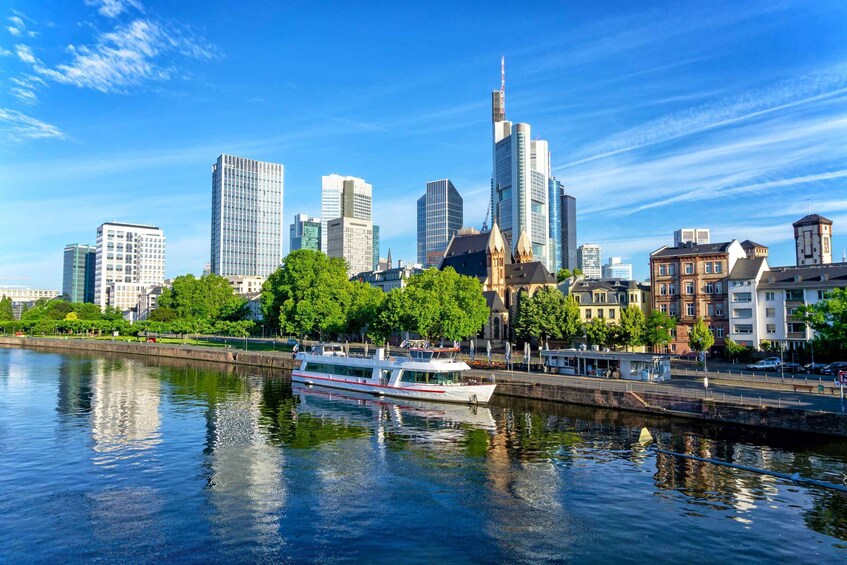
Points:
(137, 460)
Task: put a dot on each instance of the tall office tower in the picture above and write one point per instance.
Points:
(359, 197)
(247, 223)
(352, 240)
(305, 233)
(588, 259)
(615, 269)
(519, 187)
(79, 272)
(376, 247)
(700, 236)
(568, 231)
(440, 216)
(813, 240)
(555, 195)
(130, 258)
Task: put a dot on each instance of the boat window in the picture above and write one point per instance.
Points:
(341, 370)
(440, 378)
(420, 354)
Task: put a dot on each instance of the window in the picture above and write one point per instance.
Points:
(796, 328)
(672, 288)
(663, 289)
(719, 331)
(743, 328)
(770, 312)
(689, 268)
(611, 314)
(718, 267)
(821, 294)
(719, 287)
(430, 378)
(770, 328)
(588, 313)
(672, 311)
(663, 308)
(718, 308)
(340, 370)
(710, 287)
(794, 295)
(742, 297)
(599, 312)
(710, 310)
(671, 270)
(661, 270)
(708, 268)
(689, 308)
(689, 287)
(769, 296)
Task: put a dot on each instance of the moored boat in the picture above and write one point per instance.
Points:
(421, 374)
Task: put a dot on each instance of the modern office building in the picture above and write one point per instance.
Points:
(130, 258)
(440, 216)
(520, 179)
(555, 195)
(616, 269)
(813, 240)
(352, 240)
(78, 272)
(340, 193)
(247, 222)
(24, 296)
(568, 215)
(305, 233)
(700, 236)
(589, 260)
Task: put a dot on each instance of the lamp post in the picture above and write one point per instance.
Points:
(781, 361)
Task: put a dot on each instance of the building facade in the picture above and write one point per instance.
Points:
(555, 196)
(616, 269)
(246, 285)
(440, 216)
(391, 277)
(340, 192)
(607, 298)
(568, 238)
(78, 273)
(589, 259)
(690, 282)
(375, 247)
(700, 236)
(813, 240)
(352, 240)
(23, 296)
(305, 233)
(129, 257)
(247, 219)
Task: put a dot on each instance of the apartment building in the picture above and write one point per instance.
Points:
(607, 298)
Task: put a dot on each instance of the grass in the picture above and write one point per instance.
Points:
(221, 342)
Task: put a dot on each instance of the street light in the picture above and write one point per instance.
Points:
(781, 360)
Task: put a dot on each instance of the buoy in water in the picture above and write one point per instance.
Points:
(644, 438)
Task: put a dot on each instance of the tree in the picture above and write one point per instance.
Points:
(658, 329)
(563, 274)
(210, 298)
(597, 331)
(700, 337)
(577, 272)
(162, 314)
(365, 304)
(548, 314)
(733, 349)
(392, 317)
(632, 326)
(828, 319)
(308, 295)
(445, 304)
(6, 312)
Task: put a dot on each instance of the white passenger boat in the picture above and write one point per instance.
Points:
(421, 374)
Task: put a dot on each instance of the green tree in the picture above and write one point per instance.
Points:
(733, 350)
(6, 312)
(210, 298)
(563, 274)
(308, 295)
(445, 304)
(365, 304)
(393, 317)
(700, 337)
(577, 272)
(87, 311)
(828, 319)
(162, 314)
(547, 314)
(658, 329)
(597, 332)
(632, 326)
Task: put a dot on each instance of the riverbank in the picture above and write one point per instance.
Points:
(616, 395)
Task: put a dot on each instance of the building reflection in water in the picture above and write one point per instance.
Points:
(75, 394)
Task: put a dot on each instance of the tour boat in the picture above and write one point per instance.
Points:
(420, 374)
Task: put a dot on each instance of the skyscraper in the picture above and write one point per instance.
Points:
(519, 186)
(616, 269)
(78, 274)
(352, 240)
(700, 236)
(338, 192)
(247, 222)
(305, 233)
(568, 231)
(555, 195)
(130, 258)
(440, 216)
(588, 259)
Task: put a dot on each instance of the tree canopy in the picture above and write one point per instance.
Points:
(597, 332)
(547, 314)
(6, 311)
(828, 319)
(632, 326)
(563, 274)
(700, 338)
(444, 304)
(658, 328)
(210, 298)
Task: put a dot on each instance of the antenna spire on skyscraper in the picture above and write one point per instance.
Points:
(503, 86)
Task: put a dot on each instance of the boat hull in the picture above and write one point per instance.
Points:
(460, 394)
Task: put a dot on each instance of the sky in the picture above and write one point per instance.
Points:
(659, 115)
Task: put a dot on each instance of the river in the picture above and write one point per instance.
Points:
(145, 460)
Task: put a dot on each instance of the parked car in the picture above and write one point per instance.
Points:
(833, 368)
(815, 368)
(792, 368)
(774, 359)
(764, 365)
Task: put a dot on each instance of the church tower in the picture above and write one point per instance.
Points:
(813, 238)
(523, 250)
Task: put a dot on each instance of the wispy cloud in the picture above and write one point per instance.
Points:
(25, 54)
(20, 127)
(18, 26)
(114, 8)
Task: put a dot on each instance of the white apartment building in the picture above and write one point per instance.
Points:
(130, 257)
(247, 223)
(700, 236)
(344, 196)
(246, 285)
(589, 259)
(746, 324)
(352, 240)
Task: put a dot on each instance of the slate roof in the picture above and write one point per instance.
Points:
(495, 304)
(833, 275)
(746, 269)
(690, 249)
(747, 244)
(528, 273)
(467, 255)
(811, 219)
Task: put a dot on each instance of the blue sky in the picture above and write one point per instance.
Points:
(659, 115)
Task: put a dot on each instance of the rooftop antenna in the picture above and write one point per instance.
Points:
(503, 86)
(808, 206)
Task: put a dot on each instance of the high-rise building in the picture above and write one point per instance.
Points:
(78, 273)
(813, 239)
(440, 216)
(568, 231)
(588, 259)
(376, 247)
(247, 223)
(338, 190)
(555, 197)
(616, 269)
(519, 185)
(130, 258)
(352, 240)
(700, 236)
(305, 233)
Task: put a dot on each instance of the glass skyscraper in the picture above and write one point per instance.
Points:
(440, 216)
(554, 196)
(79, 272)
(247, 222)
(305, 233)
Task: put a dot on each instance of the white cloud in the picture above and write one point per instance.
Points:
(25, 54)
(4, 52)
(18, 27)
(20, 127)
(24, 96)
(114, 8)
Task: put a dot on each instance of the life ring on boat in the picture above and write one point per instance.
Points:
(472, 399)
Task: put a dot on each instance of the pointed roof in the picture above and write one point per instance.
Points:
(388, 259)
(523, 248)
(467, 252)
(811, 220)
(747, 244)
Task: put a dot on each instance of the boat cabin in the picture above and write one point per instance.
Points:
(608, 364)
(329, 350)
(433, 354)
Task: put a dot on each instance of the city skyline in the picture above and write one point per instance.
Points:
(725, 118)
